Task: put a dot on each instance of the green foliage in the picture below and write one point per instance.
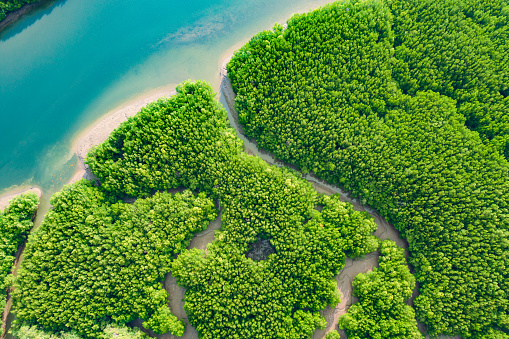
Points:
(356, 229)
(459, 49)
(169, 143)
(332, 335)
(111, 331)
(7, 6)
(381, 311)
(94, 258)
(162, 321)
(15, 224)
(321, 95)
(230, 295)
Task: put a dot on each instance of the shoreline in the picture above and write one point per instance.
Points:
(99, 131)
(15, 15)
(10, 194)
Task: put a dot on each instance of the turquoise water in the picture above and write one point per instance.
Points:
(66, 65)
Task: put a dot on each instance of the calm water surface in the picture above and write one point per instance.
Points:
(66, 65)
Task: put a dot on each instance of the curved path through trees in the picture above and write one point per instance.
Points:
(344, 279)
(101, 130)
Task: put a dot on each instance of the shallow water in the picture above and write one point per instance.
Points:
(67, 64)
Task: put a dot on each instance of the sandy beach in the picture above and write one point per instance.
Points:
(94, 135)
(7, 197)
(99, 131)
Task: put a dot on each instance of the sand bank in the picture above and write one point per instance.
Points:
(7, 197)
(99, 131)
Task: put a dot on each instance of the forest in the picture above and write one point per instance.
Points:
(392, 101)
(381, 311)
(7, 6)
(73, 277)
(15, 224)
(95, 258)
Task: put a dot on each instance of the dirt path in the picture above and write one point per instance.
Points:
(352, 267)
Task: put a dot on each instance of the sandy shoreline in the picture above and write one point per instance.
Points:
(99, 131)
(93, 135)
(7, 197)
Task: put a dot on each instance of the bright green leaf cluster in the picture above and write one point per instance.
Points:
(95, 259)
(333, 335)
(163, 321)
(381, 311)
(321, 95)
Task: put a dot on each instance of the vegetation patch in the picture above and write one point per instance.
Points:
(326, 95)
(381, 311)
(96, 260)
(15, 224)
(459, 49)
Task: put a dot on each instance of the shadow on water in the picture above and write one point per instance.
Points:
(17, 26)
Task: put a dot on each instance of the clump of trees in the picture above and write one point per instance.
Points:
(7, 6)
(170, 143)
(95, 259)
(323, 95)
(231, 296)
(381, 311)
(186, 141)
(15, 224)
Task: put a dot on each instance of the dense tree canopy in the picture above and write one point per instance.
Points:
(94, 259)
(171, 143)
(230, 295)
(15, 224)
(381, 311)
(459, 49)
(7, 6)
(321, 95)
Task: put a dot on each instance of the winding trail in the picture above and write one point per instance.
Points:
(344, 280)
(100, 130)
